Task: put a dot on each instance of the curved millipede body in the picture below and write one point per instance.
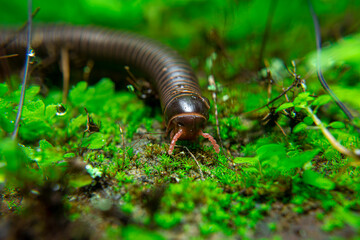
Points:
(185, 110)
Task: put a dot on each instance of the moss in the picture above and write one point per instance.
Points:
(276, 170)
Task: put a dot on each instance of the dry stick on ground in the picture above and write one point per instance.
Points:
(91, 126)
(281, 129)
(224, 165)
(9, 56)
(297, 80)
(269, 90)
(87, 70)
(22, 27)
(197, 163)
(212, 83)
(123, 146)
(29, 54)
(281, 94)
(65, 69)
(270, 81)
(331, 138)
(33, 14)
(213, 94)
(132, 79)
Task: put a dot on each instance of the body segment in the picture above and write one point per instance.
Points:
(172, 77)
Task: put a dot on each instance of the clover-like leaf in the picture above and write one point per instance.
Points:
(317, 180)
(94, 141)
(285, 106)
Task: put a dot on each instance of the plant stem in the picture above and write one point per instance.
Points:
(330, 137)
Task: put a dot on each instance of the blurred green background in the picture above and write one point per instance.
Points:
(197, 27)
(229, 201)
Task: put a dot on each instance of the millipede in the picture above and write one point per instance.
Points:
(185, 110)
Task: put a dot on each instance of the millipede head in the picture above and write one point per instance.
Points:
(188, 112)
(190, 123)
(186, 118)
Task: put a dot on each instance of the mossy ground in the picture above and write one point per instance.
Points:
(277, 176)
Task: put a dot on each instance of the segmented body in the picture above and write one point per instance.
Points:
(170, 74)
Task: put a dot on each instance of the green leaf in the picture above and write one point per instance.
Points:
(167, 220)
(300, 127)
(269, 155)
(315, 179)
(308, 120)
(337, 124)
(94, 141)
(3, 89)
(31, 92)
(33, 129)
(50, 111)
(270, 150)
(251, 170)
(356, 122)
(298, 161)
(36, 106)
(284, 106)
(79, 181)
(103, 92)
(6, 124)
(79, 94)
(133, 232)
(105, 87)
(76, 123)
(43, 144)
(301, 97)
(94, 97)
(69, 155)
(2, 172)
(34, 109)
(15, 159)
(30, 153)
(299, 108)
(302, 100)
(248, 160)
(322, 100)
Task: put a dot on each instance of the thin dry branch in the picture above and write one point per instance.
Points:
(331, 138)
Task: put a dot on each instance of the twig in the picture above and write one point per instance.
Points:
(9, 56)
(297, 80)
(282, 130)
(213, 94)
(33, 14)
(29, 53)
(65, 69)
(21, 28)
(330, 137)
(197, 163)
(269, 90)
(123, 146)
(87, 70)
(281, 94)
(132, 78)
(91, 126)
